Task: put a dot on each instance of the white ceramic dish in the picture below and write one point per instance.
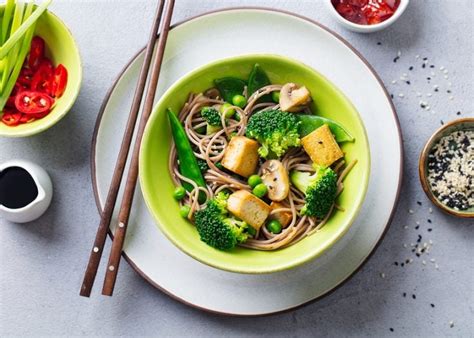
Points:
(166, 267)
(367, 28)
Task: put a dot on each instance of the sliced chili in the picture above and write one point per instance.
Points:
(11, 118)
(30, 102)
(36, 52)
(59, 81)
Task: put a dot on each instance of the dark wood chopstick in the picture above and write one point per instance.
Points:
(127, 199)
(106, 216)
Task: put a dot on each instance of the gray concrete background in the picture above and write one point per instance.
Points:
(41, 264)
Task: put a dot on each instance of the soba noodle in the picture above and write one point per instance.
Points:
(211, 149)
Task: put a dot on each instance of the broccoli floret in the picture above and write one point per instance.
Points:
(275, 130)
(319, 188)
(217, 228)
(213, 119)
(203, 165)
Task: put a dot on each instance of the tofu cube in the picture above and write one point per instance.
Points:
(284, 217)
(248, 208)
(322, 147)
(241, 156)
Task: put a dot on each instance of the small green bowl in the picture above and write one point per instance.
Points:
(61, 48)
(157, 185)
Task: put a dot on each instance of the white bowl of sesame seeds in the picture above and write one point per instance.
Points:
(446, 168)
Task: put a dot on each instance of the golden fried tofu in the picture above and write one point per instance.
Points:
(241, 156)
(284, 217)
(322, 147)
(248, 208)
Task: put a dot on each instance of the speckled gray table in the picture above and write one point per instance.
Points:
(41, 264)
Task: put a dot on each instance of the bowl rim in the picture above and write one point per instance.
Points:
(45, 126)
(368, 28)
(422, 168)
(301, 259)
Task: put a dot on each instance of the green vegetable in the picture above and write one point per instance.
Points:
(258, 79)
(239, 101)
(251, 230)
(275, 130)
(7, 15)
(260, 190)
(202, 165)
(213, 119)
(217, 228)
(188, 165)
(179, 193)
(254, 180)
(274, 226)
(14, 60)
(320, 190)
(219, 165)
(28, 23)
(276, 97)
(310, 123)
(227, 110)
(229, 87)
(184, 211)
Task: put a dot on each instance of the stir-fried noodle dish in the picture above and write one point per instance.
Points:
(253, 166)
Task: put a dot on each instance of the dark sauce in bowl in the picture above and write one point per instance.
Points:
(17, 188)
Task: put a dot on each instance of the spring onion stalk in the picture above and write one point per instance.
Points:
(7, 15)
(15, 37)
(24, 50)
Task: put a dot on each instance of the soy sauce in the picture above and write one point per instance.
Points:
(17, 188)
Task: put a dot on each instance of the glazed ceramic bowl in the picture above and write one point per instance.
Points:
(157, 185)
(366, 28)
(61, 49)
(460, 124)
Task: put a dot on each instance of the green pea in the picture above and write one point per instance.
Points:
(251, 230)
(276, 97)
(219, 165)
(260, 190)
(228, 112)
(274, 226)
(179, 193)
(184, 211)
(239, 101)
(254, 180)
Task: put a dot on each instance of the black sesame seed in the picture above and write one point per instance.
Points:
(396, 59)
(423, 66)
(379, 43)
(428, 78)
(429, 229)
(404, 294)
(432, 66)
(417, 254)
(391, 329)
(436, 90)
(432, 305)
(407, 261)
(458, 113)
(442, 123)
(417, 227)
(418, 202)
(448, 91)
(411, 68)
(396, 263)
(391, 95)
(413, 296)
(424, 59)
(429, 221)
(402, 264)
(408, 82)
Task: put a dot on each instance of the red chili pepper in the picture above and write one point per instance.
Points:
(36, 52)
(11, 118)
(30, 102)
(59, 81)
(26, 118)
(41, 80)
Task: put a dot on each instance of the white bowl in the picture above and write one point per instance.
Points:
(367, 28)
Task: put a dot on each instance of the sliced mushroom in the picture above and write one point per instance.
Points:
(275, 177)
(212, 93)
(293, 98)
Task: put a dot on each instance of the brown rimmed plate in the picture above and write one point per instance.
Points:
(191, 282)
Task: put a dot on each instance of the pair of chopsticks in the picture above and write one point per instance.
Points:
(131, 181)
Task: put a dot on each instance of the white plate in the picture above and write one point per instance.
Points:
(241, 31)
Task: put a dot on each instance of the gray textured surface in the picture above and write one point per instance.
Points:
(41, 264)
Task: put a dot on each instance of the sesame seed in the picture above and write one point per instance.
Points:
(432, 305)
(423, 262)
(432, 260)
(411, 68)
(451, 98)
(451, 324)
(391, 329)
(436, 266)
(417, 57)
(441, 68)
(382, 275)
(417, 223)
(399, 53)
(430, 210)
(410, 211)
(404, 294)
(413, 296)
(429, 94)
(379, 43)
(394, 81)
(405, 227)
(401, 95)
(418, 202)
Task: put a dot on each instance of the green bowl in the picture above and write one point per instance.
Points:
(61, 48)
(157, 185)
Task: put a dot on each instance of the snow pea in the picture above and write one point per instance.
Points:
(188, 164)
(258, 79)
(230, 87)
(312, 122)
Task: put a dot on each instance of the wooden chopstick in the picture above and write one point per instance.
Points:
(106, 216)
(125, 208)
